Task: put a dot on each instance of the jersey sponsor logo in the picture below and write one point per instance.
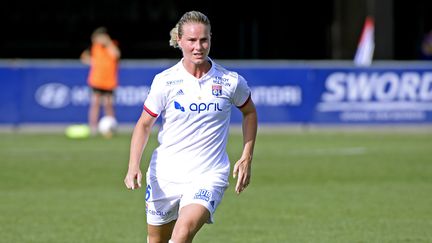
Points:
(174, 82)
(203, 194)
(202, 107)
(221, 81)
(157, 212)
(217, 90)
(199, 107)
(177, 106)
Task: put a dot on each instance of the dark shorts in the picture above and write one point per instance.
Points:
(102, 91)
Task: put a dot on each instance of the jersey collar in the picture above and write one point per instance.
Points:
(205, 76)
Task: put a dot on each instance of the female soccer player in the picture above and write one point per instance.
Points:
(188, 171)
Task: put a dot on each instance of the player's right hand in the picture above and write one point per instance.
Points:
(133, 179)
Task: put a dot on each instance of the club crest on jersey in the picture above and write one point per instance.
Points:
(217, 90)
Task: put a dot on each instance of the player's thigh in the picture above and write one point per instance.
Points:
(108, 98)
(208, 194)
(96, 98)
(191, 218)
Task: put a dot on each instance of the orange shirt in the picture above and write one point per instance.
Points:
(103, 70)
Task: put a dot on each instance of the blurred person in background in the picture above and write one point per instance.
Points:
(102, 56)
(188, 173)
(426, 46)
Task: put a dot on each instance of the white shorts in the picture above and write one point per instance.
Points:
(164, 199)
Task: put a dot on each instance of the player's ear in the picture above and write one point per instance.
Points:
(178, 41)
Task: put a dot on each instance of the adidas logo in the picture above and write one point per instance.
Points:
(180, 92)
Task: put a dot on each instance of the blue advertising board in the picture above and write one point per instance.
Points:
(278, 94)
(379, 95)
(283, 92)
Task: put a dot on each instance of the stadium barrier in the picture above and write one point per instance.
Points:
(285, 92)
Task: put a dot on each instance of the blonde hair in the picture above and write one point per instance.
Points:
(188, 17)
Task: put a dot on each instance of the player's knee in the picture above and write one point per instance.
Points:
(156, 239)
(182, 233)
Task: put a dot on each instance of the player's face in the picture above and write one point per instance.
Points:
(101, 39)
(195, 43)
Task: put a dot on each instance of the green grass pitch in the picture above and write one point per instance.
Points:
(307, 186)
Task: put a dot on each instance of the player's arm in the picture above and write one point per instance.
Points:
(111, 45)
(139, 140)
(113, 49)
(242, 167)
(85, 57)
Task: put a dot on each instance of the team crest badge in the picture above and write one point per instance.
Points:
(217, 90)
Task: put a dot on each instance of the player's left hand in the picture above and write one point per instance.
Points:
(242, 169)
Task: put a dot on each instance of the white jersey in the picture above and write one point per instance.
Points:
(195, 122)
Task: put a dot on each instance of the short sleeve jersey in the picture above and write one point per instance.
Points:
(195, 122)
